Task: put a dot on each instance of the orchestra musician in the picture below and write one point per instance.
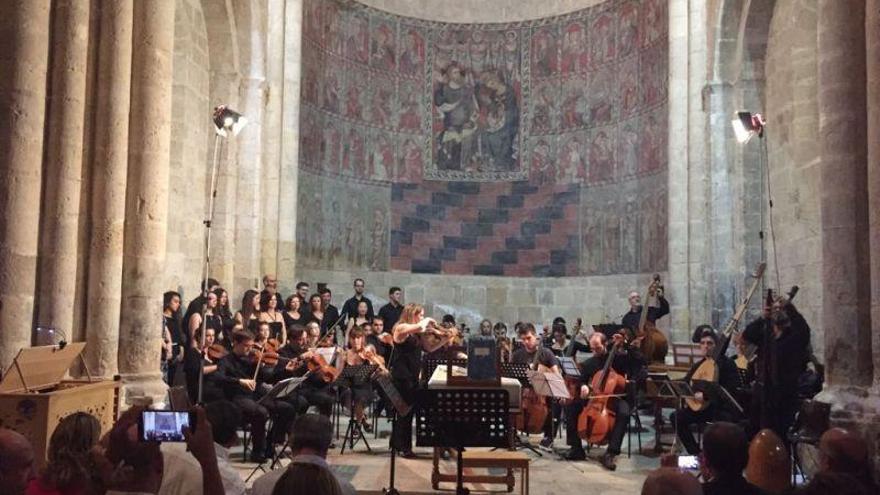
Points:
(528, 354)
(314, 391)
(622, 363)
(196, 356)
(359, 394)
(631, 318)
(406, 363)
(782, 338)
(240, 373)
(715, 408)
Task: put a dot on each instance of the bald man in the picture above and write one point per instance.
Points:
(842, 451)
(16, 462)
(671, 481)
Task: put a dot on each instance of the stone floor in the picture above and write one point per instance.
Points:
(369, 472)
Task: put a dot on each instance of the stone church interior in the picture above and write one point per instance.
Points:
(421, 246)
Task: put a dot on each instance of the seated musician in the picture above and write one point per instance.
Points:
(528, 354)
(264, 331)
(314, 391)
(377, 338)
(623, 362)
(195, 357)
(632, 317)
(717, 408)
(236, 374)
(359, 393)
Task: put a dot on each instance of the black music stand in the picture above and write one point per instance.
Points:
(520, 371)
(401, 408)
(351, 375)
(280, 390)
(569, 367)
(460, 418)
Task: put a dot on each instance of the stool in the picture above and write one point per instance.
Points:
(501, 459)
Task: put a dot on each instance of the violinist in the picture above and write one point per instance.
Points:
(622, 362)
(313, 334)
(239, 373)
(782, 338)
(314, 391)
(528, 354)
(406, 363)
(377, 338)
(197, 356)
(359, 393)
(656, 309)
(709, 405)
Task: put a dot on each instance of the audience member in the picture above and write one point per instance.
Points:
(844, 452)
(724, 457)
(225, 417)
(16, 462)
(832, 483)
(310, 439)
(303, 478)
(671, 481)
(69, 470)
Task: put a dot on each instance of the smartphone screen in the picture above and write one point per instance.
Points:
(163, 426)
(688, 462)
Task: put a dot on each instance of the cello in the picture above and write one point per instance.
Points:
(655, 346)
(597, 418)
(534, 407)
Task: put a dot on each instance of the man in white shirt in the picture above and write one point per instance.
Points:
(309, 441)
(225, 417)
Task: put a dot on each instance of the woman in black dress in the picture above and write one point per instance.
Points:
(212, 320)
(272, 315)
(172, 337)
(359, 319)
(227, 319)
(294, 314)
(406, 363)
(316, 311)
(249, 315)
(196, 357)
(358, 393)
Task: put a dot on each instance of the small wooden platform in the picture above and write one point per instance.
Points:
(503, 459)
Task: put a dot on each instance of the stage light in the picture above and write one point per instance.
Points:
(226, 120)
(746, 125)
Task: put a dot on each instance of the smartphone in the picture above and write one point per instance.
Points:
(164, 426)
(688, 462)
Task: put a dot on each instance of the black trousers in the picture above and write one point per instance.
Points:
(322, 398)
(683, 419)
(615, 437)
(775, 410)
(402, 437)
(257, 415)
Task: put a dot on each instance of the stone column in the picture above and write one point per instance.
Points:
(844, 195)
(64, 156)
(272, 212)
(146, 222)
(109, 176)
(292, 34)
(24, 54)
(872, 38)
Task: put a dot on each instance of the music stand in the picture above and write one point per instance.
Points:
(401, 408)
(351, 375)
(460, 418)
(518, 371)
(549, 385)
(679, 390)
(569, 367)
(280, 390)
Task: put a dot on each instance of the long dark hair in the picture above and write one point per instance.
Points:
(68, 461)
(247, 305)
(224, 310)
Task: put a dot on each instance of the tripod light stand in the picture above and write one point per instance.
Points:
(225, 121)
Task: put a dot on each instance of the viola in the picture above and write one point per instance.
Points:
(318, 366)
(597, 418)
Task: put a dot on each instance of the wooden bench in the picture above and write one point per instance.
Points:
(493, 459)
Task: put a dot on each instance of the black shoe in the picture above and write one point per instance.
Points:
(608, 462)
(546, 442)
(366, 426)
(575, 455)
(407, 454)
(258, 458)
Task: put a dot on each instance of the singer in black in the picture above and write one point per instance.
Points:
(406, 363)
(235, 373)
(717, 408)
(331, 312)
(527, 354)
(782, 338)
(624, 360)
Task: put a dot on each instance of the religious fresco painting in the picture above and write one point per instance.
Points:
(574, 105)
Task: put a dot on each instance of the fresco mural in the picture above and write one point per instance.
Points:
(473, 129)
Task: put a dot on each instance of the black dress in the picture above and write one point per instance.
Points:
(406, 362)
(290, 321)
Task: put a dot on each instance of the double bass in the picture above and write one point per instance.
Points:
(655, 346)
(597, 418)
(534, 407)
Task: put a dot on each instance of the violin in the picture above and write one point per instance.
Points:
(597, 418)
(215, 352)
(371, 357)
(655, 345)
(435, 334)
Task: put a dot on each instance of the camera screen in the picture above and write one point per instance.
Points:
(688, 462)
(164, 426)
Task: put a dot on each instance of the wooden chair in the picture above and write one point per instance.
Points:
(685, 354)
(509, 460)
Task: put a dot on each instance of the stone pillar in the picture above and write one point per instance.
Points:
(844, 196)
(872, 38)
(64, 156)
(24, 54)
(108, 181)
(146, 222)
(272, 212)
(290, 142)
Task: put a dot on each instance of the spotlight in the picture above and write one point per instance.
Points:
(746, 125)
(226, 120)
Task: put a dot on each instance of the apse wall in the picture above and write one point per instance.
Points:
(471, 156)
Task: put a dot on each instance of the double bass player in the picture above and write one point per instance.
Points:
(622, 363)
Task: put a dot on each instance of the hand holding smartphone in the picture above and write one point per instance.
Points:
(164, 426)
(689, 462)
